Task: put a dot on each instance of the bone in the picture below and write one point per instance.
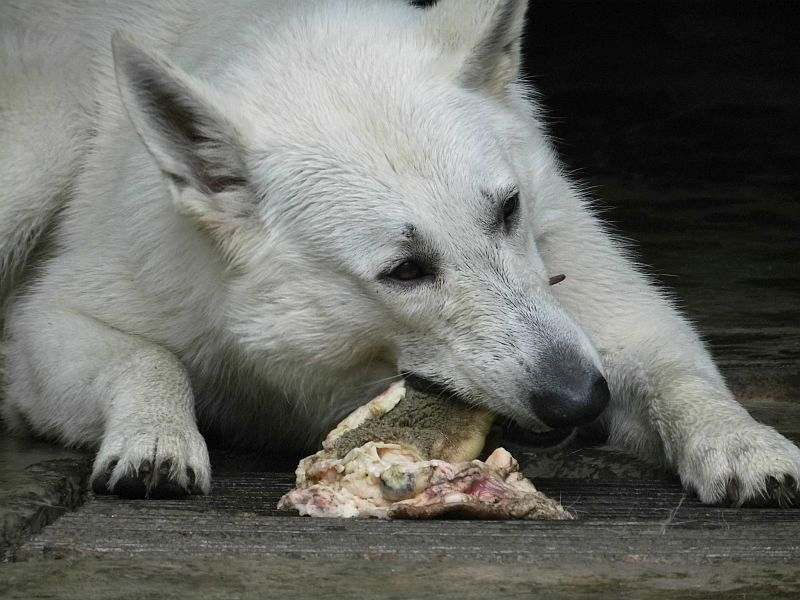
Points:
(436, 427)
(410, 455)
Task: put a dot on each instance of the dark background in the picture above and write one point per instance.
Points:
(708, 91)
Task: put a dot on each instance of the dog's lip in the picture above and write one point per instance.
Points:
(427, 386)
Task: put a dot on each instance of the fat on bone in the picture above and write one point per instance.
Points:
(408, 455)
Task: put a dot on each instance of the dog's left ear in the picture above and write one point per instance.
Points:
(484, 37)
(186, 129)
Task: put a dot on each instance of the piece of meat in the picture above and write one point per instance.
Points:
(408, 455)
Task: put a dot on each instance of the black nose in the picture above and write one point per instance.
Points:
(570, 393)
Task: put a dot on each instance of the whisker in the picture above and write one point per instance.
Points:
(393, 378)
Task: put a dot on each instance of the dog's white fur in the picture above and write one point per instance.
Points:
(231, 183)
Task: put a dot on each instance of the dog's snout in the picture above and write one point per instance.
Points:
(575, 394)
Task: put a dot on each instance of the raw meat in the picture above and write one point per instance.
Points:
(412, 456)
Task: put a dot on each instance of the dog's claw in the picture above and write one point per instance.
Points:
(778, 492)
(146, 483)
(100, 483)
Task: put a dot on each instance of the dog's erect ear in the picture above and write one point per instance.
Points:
(484, 36)
(193, 143)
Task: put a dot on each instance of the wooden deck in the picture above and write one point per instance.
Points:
(633, 537)
(648, 521)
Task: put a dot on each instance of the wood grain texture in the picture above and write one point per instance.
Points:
(650, 521)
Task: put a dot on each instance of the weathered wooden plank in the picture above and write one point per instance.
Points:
(227, 577)
(38, 483)
(651, 521)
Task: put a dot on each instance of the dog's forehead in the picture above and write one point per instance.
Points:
(387, 198)
(403, 179)
(434, 134)
(385, 108)
(373, 150)
(417, 151)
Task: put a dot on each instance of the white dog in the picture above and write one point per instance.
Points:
(265, 210)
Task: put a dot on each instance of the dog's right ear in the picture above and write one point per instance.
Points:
(183, 126)
(482, 37)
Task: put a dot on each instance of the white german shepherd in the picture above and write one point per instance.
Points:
(266, 209)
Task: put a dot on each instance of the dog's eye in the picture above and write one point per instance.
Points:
(407, 271)
(510, 208)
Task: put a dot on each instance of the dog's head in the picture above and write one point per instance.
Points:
(371, 174)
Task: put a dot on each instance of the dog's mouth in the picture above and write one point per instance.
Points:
(511, 430)
(428, 386)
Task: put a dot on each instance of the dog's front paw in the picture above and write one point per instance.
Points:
(751, 464)
(162, 463)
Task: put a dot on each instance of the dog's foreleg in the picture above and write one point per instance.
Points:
(77, 379)
(669, 401)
